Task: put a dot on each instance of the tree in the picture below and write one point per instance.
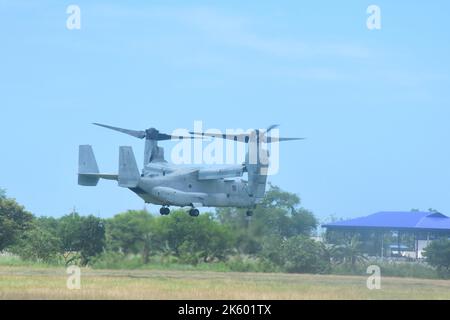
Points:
(437, 254)
(278, 215)
(92, 238)
(131, 232)
(350, 253)
(284, 212)
(14, 221)
(2, 194)
(271, 250)
(38, 244)
(84, 235)
(192, 240)
(303, 255)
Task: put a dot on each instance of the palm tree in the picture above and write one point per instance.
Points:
(349, 253)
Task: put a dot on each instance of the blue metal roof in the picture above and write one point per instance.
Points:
(397, 220)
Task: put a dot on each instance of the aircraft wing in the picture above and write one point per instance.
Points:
(220, 173)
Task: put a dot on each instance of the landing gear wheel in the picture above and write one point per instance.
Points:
(194, 212)
(249, 213)
(164, 211)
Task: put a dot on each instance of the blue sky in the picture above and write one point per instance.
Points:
(374, 105)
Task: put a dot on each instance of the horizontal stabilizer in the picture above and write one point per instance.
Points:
(106, 176)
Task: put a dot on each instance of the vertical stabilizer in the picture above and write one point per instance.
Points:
(87, 166)
(128, 171)
(257, 173)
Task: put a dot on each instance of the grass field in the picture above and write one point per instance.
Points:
(50, 283)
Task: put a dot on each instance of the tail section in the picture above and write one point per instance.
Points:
(88, 173)
(129, 175)
(87, 167)
(257, 169)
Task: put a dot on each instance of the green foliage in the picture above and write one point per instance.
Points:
(133, 236)
(278, 215)
(84, 235)
(131, 232)
(282, 215)
(92, 235)
(298, 254)
(14, 221)
(190, 239)
(13, 260)
(271, 249)
(437, 254)
(275, 239)
(116, 260)
(38, 244)
(349, 253)
(194, 240)
(304, 255)
(407, 269)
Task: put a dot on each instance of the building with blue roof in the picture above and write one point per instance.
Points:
(405, 233)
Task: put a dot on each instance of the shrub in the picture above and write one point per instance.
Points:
(304, 255)
(38, 245)
(438, 255)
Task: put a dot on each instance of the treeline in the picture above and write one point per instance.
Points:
(278, 237)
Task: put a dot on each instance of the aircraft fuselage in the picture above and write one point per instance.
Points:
(184, 189)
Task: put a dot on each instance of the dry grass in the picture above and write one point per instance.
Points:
(50, 283)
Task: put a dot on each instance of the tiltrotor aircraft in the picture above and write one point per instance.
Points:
(166, 184)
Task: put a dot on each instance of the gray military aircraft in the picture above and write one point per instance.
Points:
(166, 184)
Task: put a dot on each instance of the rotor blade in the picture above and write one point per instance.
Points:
(185, 137)
(272, 127)
(164, 136)
(276, 139)
(289, 139)
(205, 134)
(134, 133)
(244, 137)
